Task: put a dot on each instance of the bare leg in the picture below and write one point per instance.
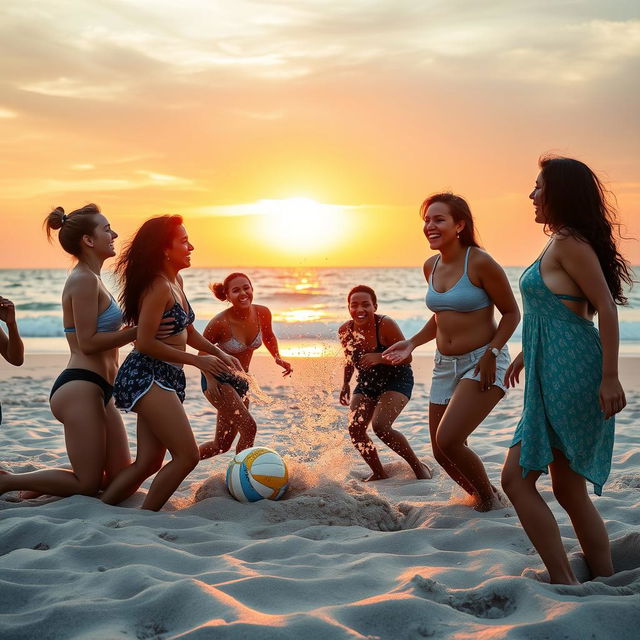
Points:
(233, 417)
(149, 458)
(468, 407)
(164, 418)
(79, 406)
(436, 411)
(570, 490)
(536, 518)
(360, 415)
(388, 408)
(118, 456)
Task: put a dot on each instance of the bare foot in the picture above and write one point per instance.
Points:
(28, 495)
(375, 476)
(496, 501)
(424, 473)
(3, 488)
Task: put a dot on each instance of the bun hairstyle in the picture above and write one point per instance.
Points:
(460, 212)
(72, 227)
(220, 289)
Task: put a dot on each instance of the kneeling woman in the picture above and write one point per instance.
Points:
(382, 390)
(151, 381)
(80, 399)
(471, 360)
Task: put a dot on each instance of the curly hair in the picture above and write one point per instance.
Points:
(142, 260)
(574, 199)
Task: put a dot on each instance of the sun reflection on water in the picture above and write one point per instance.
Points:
(300, 315)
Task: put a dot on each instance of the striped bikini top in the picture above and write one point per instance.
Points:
(464, 296)
(234, 346)
(109, 320)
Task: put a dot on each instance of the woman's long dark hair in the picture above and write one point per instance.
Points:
(142, 260)
(574, 199)
(460, 212)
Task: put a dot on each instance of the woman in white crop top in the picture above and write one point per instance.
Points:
(465, 284)
(239, 330)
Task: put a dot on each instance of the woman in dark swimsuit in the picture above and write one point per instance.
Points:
(151, 381)
(232, 330)
(382, 390)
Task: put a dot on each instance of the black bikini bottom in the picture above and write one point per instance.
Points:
(88, 376)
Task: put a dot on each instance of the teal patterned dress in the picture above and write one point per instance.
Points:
(563, 371)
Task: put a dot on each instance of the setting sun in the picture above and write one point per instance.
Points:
(300, 225)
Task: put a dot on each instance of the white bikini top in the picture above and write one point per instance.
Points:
(233, 346)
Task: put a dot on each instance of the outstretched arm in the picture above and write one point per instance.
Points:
(270, 340)
(201, 344)
(401, 351)
(11, 346)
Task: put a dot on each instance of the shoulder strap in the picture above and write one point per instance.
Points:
(378, 322)
(435, 264)
(466, 261)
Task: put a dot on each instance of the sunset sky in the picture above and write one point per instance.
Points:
(308, 132)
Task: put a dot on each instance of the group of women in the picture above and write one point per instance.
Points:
(571, 394)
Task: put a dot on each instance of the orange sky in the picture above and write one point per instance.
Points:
(210, 108)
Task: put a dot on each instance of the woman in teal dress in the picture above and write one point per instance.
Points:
(572, 389)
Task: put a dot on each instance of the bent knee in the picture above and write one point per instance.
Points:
(187, 459)
(447, 444)
(512, 482)
(146, 468)
(569, 496)
(90, 486)
(381, 429)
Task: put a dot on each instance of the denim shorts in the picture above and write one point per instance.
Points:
(449, 370)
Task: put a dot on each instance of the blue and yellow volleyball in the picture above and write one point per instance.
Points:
(257, 473)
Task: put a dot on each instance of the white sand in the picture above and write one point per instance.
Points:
(336, 559)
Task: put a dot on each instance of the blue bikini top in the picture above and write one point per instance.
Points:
(181, 318)
(464, 296)
(109, 320)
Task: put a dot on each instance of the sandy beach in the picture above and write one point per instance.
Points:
(336, 558)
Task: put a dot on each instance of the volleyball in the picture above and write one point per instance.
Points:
(257, 473)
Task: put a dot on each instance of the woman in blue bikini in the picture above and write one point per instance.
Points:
(151, 381)
(238, 331)
(572, 390)
(465, 285)
(81, 396)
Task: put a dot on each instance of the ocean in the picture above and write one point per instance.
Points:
(308, 304)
